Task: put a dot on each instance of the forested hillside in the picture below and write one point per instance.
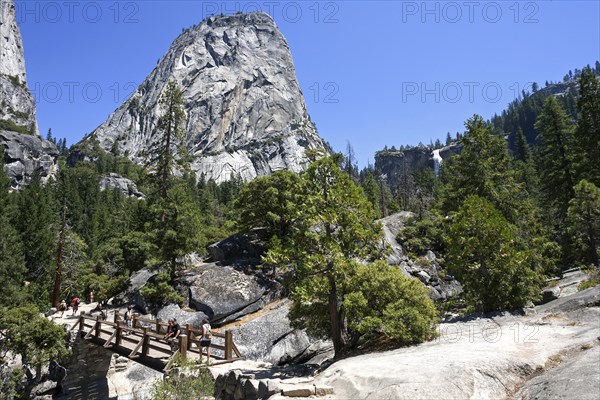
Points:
(500, 222)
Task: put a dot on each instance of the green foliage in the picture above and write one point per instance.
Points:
(334, 226)
(382, 299)
(371, 189)
(583, 220)
(169, 151)
(270, 202)
(25, 332)
(12, 384)
(589, 283)
(160, 292)
(7, 125)
(12, 262)
(422, 234)
(555, 159)
(482, 169)
(587, 133)
(175, 227)
(104, 286)
(194, 383)
(34, 223)
(76, 265)
(485, 257)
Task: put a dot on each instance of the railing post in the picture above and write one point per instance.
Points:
(145, 347)
(119, 333)
(81, 322)
(228, 345)
(97, 327)
(183, 344)
(116, 317)
(188, 331)
(135, 322)
(157, 325)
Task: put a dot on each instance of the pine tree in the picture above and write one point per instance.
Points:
(170, 130)
(12, 262)
(587, 133)
(175, 221)
(34, 224)
(584, 221)
(485, 258)
(483, 169)
(372, 190)
(555, 159)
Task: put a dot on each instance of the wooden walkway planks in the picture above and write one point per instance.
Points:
(144, 342)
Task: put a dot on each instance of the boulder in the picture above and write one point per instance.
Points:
(240, 246)
(183, 317)
(124, 185)
(132, 294)
(549, 294)
(270, 337)
(26, 154)
(223, 293)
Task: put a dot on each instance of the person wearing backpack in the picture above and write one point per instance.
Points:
(205, 340)
(75, 305)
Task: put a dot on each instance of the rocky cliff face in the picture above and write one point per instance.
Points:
(398, 164)
(24, 151)
(245, 112)
(26, 154)
(17, 111)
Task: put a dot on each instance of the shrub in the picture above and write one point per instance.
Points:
(386, 301)
(195, 383)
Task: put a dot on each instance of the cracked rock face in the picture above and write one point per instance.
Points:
(223, 293)
(245, 112)
(26, 154)
(126, 186)
(17, 105)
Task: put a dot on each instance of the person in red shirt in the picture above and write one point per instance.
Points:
(75, 305)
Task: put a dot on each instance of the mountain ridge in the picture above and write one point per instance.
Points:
(245, 111)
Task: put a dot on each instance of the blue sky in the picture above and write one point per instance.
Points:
(373, 73)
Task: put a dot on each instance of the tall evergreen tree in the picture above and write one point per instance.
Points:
(34, 223)
(175, 223)
(167, 151)
(555, 160)
(483, 169)
(486, 259)
(584, 221)
(12, 262)
(587, 133)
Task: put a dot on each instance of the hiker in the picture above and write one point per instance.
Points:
(128, 317)
(205, 340)
(173, 332)
(75, 305)
(62, 308)
(91, 296)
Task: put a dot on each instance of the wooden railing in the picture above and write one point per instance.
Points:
(143, 332)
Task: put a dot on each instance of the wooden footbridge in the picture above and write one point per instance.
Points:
(144, 343)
